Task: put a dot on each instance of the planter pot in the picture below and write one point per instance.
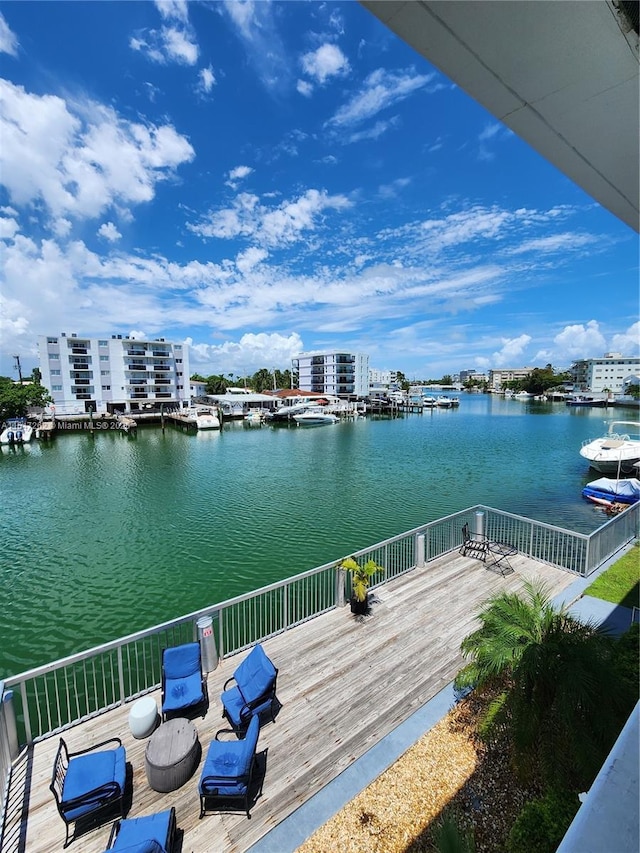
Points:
(360, 608)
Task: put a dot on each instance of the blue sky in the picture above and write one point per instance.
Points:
(264, 178)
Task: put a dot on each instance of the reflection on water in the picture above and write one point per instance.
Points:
(106, 534)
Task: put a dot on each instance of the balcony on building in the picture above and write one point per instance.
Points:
(137, 351)
(138, 395)
(164, 367)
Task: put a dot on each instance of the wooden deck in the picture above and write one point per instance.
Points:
(343, 684)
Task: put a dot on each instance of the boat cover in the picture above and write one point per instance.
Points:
(616, 489)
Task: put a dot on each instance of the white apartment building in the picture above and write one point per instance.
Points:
(341, 374)
(612, 373)
(498, 378)
(382, 380)
(113, 374)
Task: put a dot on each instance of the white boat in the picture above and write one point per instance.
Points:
(523, 395)
(444, 402)
(254, 416)
(315, 416)
(430, 402)
(615, 452)
(607, 491)
(206, 419)
(16, 431)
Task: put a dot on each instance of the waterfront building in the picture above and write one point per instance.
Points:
(113, 374)
(498, 378)
(197, 388)
(381, 381)
(613, 372)
(341, 374)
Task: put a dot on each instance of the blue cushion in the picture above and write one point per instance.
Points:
(182, 692)
(233, 703)
(102, 773)
(226, 769)
(148, 830)
(180, 661)
(149, 845)
(255, 675)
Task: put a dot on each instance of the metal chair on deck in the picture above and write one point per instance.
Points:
(473, 545)
(254, 692)
(184, 686)
(88, 784)
(153, 833)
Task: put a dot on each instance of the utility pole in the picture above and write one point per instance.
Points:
(19, 369)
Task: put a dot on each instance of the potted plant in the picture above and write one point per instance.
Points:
(360, 578)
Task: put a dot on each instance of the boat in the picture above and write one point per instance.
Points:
(429, 402)
(16, 431)
(617, 451)
(523, 395)
(206, 419)
(315, 416)
(444, 402)
(608, 490)
(599, 402)
(254, 416)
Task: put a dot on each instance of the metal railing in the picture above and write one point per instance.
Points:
(55, 696)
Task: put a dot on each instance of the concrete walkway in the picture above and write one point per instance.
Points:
(294, 830)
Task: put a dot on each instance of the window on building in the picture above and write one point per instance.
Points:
(56, 387)
(104, 358)
(105, 372)
(178, 361)
(106, 387)
(55, 372)
(52, 340)
(103, 343)
(53, 356)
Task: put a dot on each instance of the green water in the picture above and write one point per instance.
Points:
(107, 534)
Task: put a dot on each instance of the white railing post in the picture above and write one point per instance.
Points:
(9, 726)
(420, 550)
(121, 676)
(340, 579)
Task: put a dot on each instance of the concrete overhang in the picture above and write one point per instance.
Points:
(562, 74)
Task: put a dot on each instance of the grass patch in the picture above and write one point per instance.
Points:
(620, 584)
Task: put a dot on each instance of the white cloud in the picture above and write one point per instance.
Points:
(566, 241)
(179, 45)
(628, 343)
(207, 79)
(137, 335)
(510, 353)
(247, 260)
(380, 90)
(8, 39)
(325, 62)
(580, 341)
(238, 174)
(373, 132)
(8, 227)
(247, 355)
(277, 226)
(79, 159)
(173, 9)
(256, 26)
(392, 190)
(304, 88)
(109, 231)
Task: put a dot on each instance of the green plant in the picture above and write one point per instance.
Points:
(542, 823)
(451, 837)
(360, 575)
(620, 584)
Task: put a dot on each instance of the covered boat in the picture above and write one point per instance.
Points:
(609, 490)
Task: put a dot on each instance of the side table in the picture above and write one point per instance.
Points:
(143, 717)
(172, 755)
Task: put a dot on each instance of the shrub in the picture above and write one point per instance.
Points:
(542, 823)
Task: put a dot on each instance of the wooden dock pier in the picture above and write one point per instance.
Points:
(343, 684)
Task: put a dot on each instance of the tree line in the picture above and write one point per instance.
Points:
(261, 380)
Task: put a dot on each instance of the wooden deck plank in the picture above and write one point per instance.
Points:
(343, 684)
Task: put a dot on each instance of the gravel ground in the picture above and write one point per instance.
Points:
(447, 767)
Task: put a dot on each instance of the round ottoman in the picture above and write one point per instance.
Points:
(143, 717)
(172, 755)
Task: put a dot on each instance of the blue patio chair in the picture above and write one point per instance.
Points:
(254, 693)
(150, 834)
(184, 686)
(88, 784)
(228, 771)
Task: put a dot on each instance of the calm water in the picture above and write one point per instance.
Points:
(107, 534)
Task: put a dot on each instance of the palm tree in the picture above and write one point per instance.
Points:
(555, 684)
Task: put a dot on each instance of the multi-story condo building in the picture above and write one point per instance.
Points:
(613, 372)
(498, 378)
(341, 374)
(382, 380)
(116, 374)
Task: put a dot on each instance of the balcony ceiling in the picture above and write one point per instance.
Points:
(562, 75)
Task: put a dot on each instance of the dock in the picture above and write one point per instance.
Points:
(343, 685)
